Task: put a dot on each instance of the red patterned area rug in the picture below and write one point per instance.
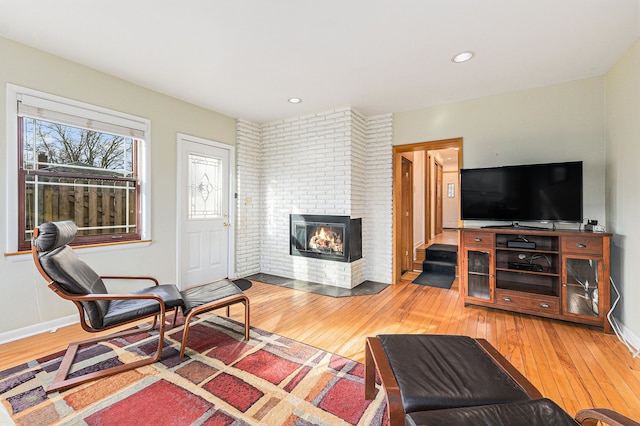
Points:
(222, 380)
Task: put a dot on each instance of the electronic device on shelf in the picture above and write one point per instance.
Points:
(521, 244)
(525, 266)
(593, 226)
(530, 192)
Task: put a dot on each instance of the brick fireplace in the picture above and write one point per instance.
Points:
(334, 163)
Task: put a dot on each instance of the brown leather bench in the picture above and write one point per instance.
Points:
(441, 379)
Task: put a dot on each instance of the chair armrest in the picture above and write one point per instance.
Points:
(126, 277)
(509, 369)
(376, 359)
(108, 296)
(591, 417)
(115, 296)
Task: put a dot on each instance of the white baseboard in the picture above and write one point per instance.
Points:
(43, 327)
(5, 418)
(631, 340)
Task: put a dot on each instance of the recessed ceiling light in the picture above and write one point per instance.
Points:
(463, 57)
(295, 100)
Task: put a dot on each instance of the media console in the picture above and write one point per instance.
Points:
(557, 274)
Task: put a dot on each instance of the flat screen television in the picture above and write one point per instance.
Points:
(527, 193)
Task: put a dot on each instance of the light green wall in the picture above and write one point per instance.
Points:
(563, 122)
(623, 176)
(25, 298)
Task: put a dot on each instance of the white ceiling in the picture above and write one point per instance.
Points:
(245, 58)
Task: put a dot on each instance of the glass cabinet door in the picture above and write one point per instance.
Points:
(478, 274)
(580, 287)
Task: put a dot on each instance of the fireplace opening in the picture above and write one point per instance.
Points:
(327, 237)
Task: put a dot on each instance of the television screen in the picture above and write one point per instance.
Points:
(534, 193)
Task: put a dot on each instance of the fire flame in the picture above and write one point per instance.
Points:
(326, 241)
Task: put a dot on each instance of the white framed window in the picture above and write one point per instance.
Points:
(68, 160)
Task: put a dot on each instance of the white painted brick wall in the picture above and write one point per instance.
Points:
(337, 163)
(306, 170)
(358, 186)
(378, 228)
(249, 202)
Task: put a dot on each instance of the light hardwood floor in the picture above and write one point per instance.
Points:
(576, 366)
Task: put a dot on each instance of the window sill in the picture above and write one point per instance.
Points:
(22, 256)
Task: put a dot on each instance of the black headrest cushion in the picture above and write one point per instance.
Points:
(52, 235)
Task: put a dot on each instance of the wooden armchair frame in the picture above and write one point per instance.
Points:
(591, 417)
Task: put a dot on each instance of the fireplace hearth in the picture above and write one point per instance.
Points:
(337, 238)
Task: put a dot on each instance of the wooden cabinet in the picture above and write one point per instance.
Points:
(555, 274)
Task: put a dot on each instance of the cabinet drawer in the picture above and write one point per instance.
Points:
(478, 239)
(529, 301)
(582, 245)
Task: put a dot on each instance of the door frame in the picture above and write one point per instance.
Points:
(407, 218)
(180, 138)
(428, 172)
(438, 179)
(397, 187)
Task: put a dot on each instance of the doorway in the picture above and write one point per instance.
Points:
(431, 197)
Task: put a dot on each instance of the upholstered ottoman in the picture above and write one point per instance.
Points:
(206, 297)
(434, 372)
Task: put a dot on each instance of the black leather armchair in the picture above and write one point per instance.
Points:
(72, 279)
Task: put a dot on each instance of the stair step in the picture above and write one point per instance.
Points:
(439, 266)
(442, 256)
(442, 252)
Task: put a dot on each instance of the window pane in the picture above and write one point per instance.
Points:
(97, 206)
(582, 287)
(64, 149)
(205, 177)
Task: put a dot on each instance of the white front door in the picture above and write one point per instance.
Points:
(203, 210)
